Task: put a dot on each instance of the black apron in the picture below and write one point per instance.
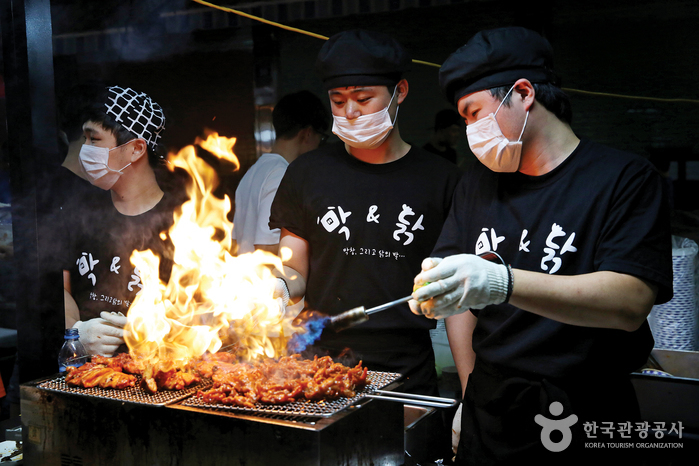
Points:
(498, 423)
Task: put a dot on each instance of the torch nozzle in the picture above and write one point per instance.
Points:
(348, 319)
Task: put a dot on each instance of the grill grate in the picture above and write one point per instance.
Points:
(305, 408)
(131, 394)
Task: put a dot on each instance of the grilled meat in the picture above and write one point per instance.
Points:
(288, 379)
(93, 374)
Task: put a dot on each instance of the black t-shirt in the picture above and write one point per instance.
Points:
(449, 153)
(369, 226)
(100, 247)
(600, 210)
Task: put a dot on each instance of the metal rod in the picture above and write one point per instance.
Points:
(409, 398)
(488, 255)
(387, 305)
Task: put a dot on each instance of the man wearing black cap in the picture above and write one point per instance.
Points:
(551, 337)
(358, 214)
(122, 130)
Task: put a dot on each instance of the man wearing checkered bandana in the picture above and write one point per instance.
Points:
(122, 130)
(136, 112)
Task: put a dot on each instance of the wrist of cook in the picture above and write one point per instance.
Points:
(281, 290)
(501, 280)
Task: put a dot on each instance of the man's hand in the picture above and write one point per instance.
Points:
(102, 335)
(450, 286)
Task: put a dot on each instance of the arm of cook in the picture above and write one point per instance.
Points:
(460, 334)
(296, 267)
(601, 299)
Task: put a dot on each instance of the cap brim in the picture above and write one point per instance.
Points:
(351, 80)
(501, 78)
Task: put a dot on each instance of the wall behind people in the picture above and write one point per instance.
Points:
(626, 60)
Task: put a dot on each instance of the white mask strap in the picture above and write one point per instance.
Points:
(525, 125)
(503, 100)
(122, 145)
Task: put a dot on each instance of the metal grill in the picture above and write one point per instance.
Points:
(131, 394)
(306, 408)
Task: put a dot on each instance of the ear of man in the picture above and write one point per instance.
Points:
(526, 92)
(402, 90)
(140, 149)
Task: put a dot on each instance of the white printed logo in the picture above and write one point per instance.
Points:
(135, 280)
(114, 267)
(86, 263)
(404, 223)
(556, 231)
(331, 221)
(485, 244)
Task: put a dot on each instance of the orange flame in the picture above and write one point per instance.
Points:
(212, 297)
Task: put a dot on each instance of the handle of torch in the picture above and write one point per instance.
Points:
(388, 305)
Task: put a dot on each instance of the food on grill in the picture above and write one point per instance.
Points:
(122, 362)
(210, 361)
(92, 374)
(154, 377)
(161, 377)
(280, 381)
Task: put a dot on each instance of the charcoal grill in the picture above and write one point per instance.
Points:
(65, 425)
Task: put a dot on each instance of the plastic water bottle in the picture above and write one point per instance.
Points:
(73, 352)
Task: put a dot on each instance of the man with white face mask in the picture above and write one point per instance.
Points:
(122, 131)
(358, 214)
(583, 231)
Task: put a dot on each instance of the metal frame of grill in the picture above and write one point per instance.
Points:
(131, 394)
(325, 408)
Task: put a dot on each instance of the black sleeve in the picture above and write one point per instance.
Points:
(287, 209)
(636, 237)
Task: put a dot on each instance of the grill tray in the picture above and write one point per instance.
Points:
(131, 394)
(305, 408)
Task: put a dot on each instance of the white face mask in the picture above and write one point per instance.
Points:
(491, 147)
(366, 131)
(95, 163)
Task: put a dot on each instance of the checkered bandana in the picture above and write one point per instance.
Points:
(136, 112)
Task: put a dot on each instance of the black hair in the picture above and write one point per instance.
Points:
(549, 95)
(95, 112)
(297, 111)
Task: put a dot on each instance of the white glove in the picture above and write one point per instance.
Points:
(281, 290)
(456, 430)
(102, 335)
(457, 283)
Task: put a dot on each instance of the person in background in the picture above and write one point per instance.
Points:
(447, 132)
(122, 130)
(549, 339)
(300, 122)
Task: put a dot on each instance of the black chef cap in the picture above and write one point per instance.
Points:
(361, 58)
(494, 58)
